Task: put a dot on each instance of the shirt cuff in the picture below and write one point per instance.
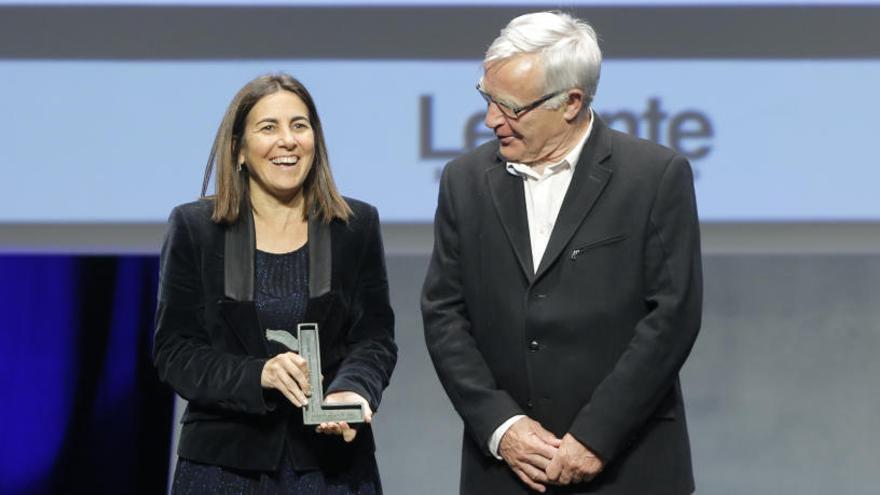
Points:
(495, 439)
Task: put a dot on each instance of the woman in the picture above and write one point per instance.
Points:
(276, 245)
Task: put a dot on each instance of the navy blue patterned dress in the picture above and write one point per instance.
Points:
(281, 293)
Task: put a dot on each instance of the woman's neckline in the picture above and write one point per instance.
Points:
(297, 250)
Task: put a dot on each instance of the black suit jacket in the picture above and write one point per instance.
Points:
(209, 344)
(591, 344)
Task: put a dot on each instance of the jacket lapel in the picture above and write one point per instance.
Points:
(237, 306)
(587, 184)
(320, 257)
(510, 204)
(238, 259)
(320, 270)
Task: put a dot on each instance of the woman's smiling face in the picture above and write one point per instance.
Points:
(278, 145)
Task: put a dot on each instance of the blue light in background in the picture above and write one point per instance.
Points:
(37, 365)
(120, 366)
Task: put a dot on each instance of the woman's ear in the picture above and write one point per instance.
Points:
(238, 152)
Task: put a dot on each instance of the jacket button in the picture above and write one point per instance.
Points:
(530, 404)
(534, 346)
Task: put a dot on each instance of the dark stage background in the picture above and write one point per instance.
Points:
(81, 410)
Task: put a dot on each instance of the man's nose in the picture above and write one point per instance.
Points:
(494, 117)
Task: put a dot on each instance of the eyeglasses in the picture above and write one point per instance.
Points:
(518, 111)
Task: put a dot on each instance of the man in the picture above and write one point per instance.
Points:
(564, 292)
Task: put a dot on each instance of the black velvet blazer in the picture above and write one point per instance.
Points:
(210, 347)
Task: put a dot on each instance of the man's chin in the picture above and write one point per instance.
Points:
(509, 151)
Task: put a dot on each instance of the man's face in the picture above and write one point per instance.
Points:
(534, 136)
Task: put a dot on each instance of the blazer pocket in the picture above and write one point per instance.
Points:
(594, 244)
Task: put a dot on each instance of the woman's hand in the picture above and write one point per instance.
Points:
(342, 428)
(289, 374)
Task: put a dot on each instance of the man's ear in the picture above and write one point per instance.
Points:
(574, 104)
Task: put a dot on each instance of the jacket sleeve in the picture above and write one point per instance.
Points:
(648, 368)
(372, 353)
(182, 349)
(460, 365)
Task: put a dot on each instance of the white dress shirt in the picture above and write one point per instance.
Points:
(544, 194)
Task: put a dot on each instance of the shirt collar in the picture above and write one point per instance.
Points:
(571, 159)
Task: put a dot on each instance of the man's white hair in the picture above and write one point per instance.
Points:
(567, 46)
